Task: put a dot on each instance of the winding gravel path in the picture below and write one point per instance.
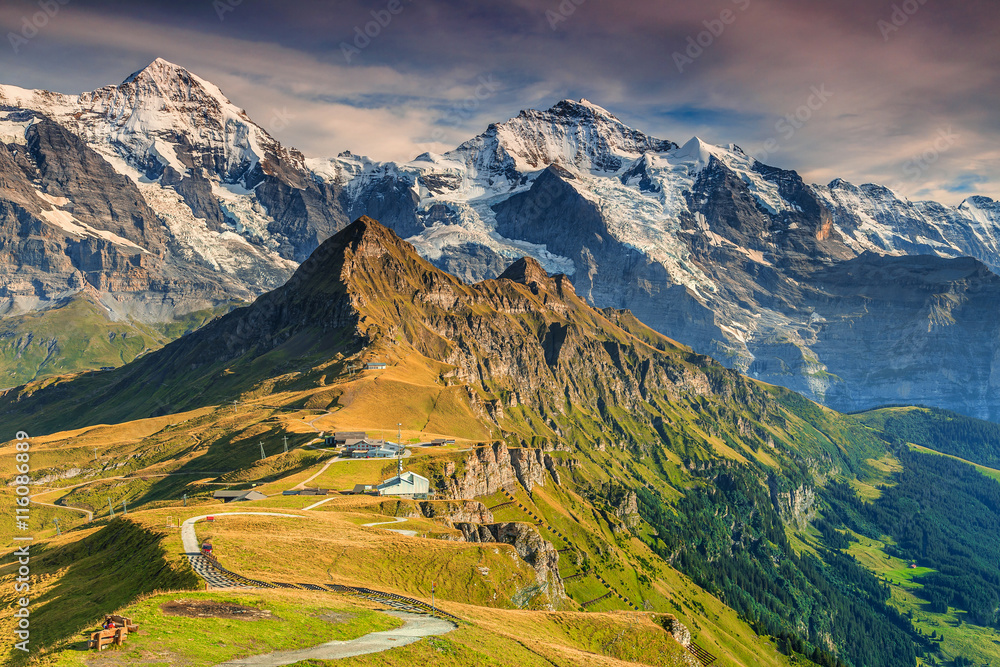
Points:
(416, 628)
(398, 519)
(302, 485)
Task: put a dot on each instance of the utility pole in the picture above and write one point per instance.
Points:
(185, 500)
(399, 452)
(124, 506)
(433, 586)
(56, 521)
(262, 454)
(285, 438)
(235, 406)
(111, 507)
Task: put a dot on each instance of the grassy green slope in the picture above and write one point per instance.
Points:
(79, 577)
(943, 431)
(79, 336)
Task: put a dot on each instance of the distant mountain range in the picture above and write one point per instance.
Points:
(159, 198)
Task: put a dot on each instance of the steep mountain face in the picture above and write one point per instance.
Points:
(171, 169)
(873, 218)
(166, 198)
(69, 222)
(527, 338)
(156, 198)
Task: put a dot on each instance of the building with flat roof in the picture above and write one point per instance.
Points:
(372, 445)
(405, 484)
(375, 366)
(238, 496)
(377, 453)
(347, 438)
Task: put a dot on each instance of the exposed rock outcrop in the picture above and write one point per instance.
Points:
(795, 505)
(487, 470)
(490, 469)
(681, 634)
(627, 509)
(528, 544)
(529, 466)
(468, 511)
(678, 630)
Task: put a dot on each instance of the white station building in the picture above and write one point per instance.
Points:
(408, 484)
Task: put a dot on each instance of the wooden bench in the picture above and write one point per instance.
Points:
(105, 638)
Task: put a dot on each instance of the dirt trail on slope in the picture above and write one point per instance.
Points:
(416, 628)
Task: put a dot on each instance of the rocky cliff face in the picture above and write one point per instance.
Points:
(529, 545)
(678, 630)
(70, 223)
(627, 509)
(532, 467)
(488, 470)
(461, 512)
(795, 505)
(875, 219)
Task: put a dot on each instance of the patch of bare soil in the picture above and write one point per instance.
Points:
(212, 609)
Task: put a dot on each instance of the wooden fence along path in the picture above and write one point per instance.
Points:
(703, 656)
(595, 600)
(216, 575)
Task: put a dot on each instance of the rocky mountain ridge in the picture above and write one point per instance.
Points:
(532, 342)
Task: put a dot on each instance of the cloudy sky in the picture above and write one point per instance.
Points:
(900, 92)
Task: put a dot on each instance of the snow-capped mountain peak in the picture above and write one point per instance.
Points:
(161, 116)
(575, 135)
(696, 150)
(158, 69)
(701, 240)
(165, 116)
